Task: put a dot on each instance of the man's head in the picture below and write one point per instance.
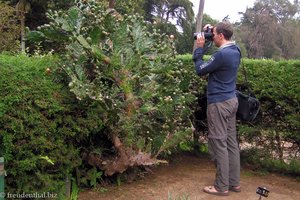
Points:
(223, 32)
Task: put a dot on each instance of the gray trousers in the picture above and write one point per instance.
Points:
(222, 143)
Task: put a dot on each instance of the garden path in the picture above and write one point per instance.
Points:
(183, 179)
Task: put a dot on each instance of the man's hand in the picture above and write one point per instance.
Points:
(207, 27)
(200, 40)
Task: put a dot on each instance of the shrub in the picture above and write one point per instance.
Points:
(126, 66)
(42, 124)
(276, 84)
(48, 134)
(129, 100)
(260, 160)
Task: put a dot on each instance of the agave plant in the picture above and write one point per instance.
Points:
(123, 63)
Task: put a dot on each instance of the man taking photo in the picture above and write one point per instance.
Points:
(222, 103)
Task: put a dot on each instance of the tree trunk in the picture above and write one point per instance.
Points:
(199, 19)
(126, 157)
(112, 3)
(23, 32)
(22, 7)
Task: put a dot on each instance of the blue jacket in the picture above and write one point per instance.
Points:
(222, 68)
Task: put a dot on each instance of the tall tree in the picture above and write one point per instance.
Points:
(129, 6)
(174, 17)
(9, 29)
(23, 7)
(37, 14)
(169, 11)
(199, 19)
(264, 29)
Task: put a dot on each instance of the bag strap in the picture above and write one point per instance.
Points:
(244, 71)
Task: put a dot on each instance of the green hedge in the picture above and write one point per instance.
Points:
(44, 129)
(41, 124)
(276, 131)
(277, 85)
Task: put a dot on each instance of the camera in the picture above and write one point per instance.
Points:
(208, 34)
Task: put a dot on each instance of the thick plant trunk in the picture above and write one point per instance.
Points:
(112, 3)
(126, 157)
(23, 33)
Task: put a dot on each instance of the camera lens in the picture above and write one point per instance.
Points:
(207, 35)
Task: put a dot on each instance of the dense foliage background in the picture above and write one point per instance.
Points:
(46, 132)
(101, 91)
(269, 29)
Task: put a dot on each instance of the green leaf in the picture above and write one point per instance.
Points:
(46, 158)
(83, 42)
(35, 36)
(96, 35)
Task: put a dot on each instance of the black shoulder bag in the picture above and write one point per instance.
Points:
(249, 106)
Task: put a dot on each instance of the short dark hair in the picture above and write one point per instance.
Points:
(225, 28)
